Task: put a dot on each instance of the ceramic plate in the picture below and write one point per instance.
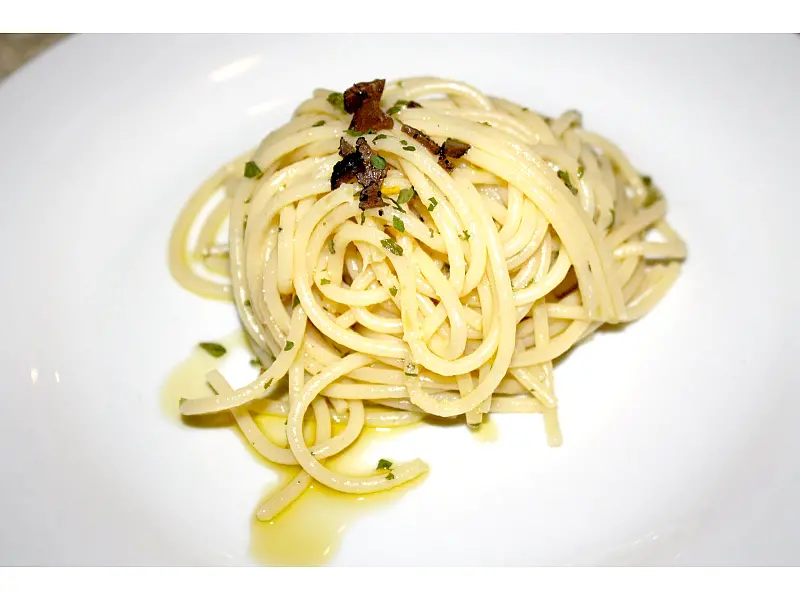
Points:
(680, 434)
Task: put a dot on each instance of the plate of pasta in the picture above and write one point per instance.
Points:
(285, 306)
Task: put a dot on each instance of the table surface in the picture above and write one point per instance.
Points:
(18, 48)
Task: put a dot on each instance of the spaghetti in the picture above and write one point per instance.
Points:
(449, 291)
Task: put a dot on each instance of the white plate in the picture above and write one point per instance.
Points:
(681, 440)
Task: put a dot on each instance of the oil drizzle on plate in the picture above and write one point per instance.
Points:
(188, 380)
(310, 531)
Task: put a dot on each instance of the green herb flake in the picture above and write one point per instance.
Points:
(380, 136)
(390, 476)
(289, 346)
(268, 383)
(251, 170)
(525, 109)
(370, 131)
(613, 218)
(564, 176)
(377, 161)
(254, 362)
(409, 148)
(432, 203)
(363, 217)
(405, 195)
(353, 132)
(430, 229)
(392, 246)
(394, 110)
(248, 304)
(319, 123)
(214, 349)
(398, 224)
(393, 291)
(295, 302)
(384, 464)
(647, 180)
(331, 247)
(580, 171)
(336, 99)
(464, 235)
(485, 123)
(396, 204)
(324, 281)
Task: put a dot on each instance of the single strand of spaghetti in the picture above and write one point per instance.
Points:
(285, 254)
(281, 500)
(255, 389)
(515, 404)
(391, 418)
(178, 258)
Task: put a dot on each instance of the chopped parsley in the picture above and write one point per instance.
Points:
(392, 246)
(289, 346)
(380, 136)
(464, 235)
(363, 217)
(336, 99)
(331, 248)
(295, 301)
(214, 349)
(393, 291)
(378, 161)
(409, 148)
(390, 476)
(405, 195)
(430, 229)
(254, 362)
(384, 464)
(248, 304)
(268, 383)
(580, 171)
(251, 170)
(319, 123)
(396, 206)
(324, 281)
(352, 132)
(525, 109)
(647, 180)
(397, 223)
(394, 110)
(564, 176)
(432, 203)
